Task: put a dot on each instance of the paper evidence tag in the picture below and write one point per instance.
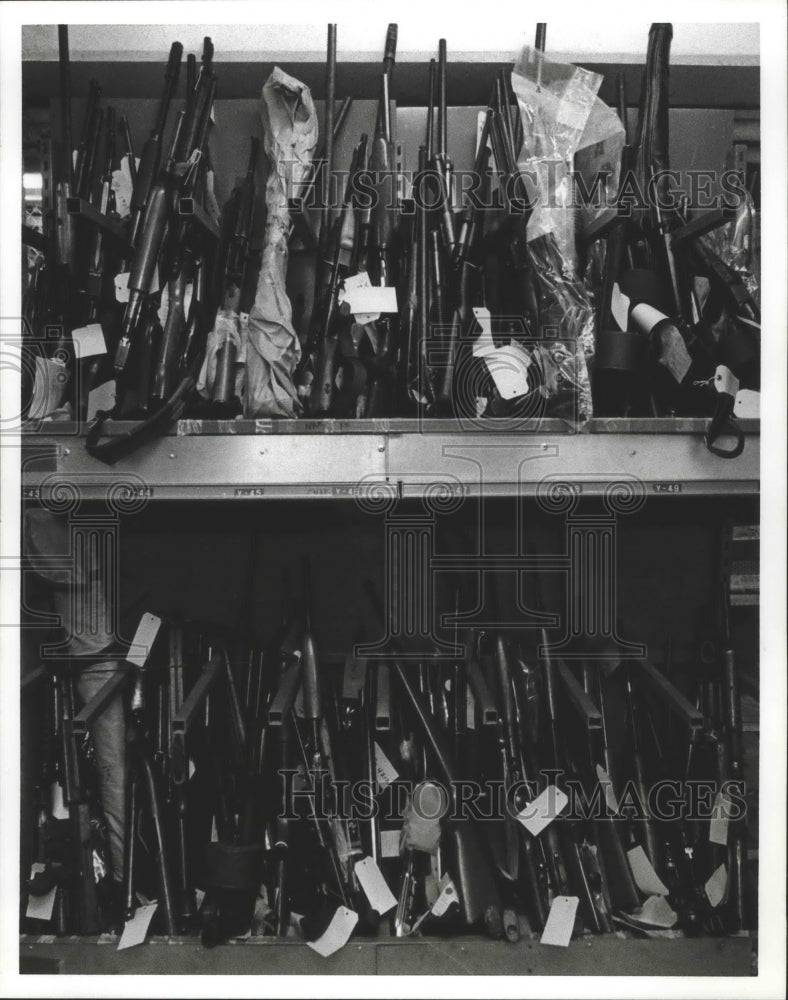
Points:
(122, 286)
(484, 343)
(101, 398)
(123, 188)
(336, 934)
(725, 381)
(560, 921)
(718, 825)
(59, 808)
(351, 284)
(607, 787)
(716, 885)
(372, 299)
(40, 907)
(384, 769)
(389, 843)
(747, 405)
(374, 885)
(646, 879)
(136, 930)
(446, 896)
(543, 810)
(657, 912)
(508, 367)
(470, 709)
(619, 307)
(89, 341)
(140, 648)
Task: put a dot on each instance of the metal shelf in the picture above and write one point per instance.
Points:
(345, 458)
(606, 955)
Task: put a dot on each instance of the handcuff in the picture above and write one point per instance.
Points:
(723, 421)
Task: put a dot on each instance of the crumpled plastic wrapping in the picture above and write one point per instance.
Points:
(228, 324)
(555, 102)
(289, 138)
(737, 244)
(566, 331)
(561, 115)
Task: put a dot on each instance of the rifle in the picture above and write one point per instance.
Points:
(382, 263)
(322, 399)
(53, 842)
(305, 374)
(618, 875)
(150, 161)
(177, 176)
(420, 388)
(571, 851)
(98, 267)
(479, 897)
(466, 279)
(237, 259)
(527, 856)
(64, 272)
(440, 164)
(88, 144)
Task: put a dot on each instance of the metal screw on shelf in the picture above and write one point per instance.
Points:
(172, 454)
(381, 447)
(66, 451)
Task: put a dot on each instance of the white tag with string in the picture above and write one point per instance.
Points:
(89, 341)
(40, 907)
(389, 843)
(384, 769)
(646, 879)
(607, 787)
(484, 343)
(122, 287)
(560, 921)
(543, 810)
(716, 885)
(726, 381)
(718, 825)
(337, 934)
(374, 885)
(136, 929)
(446, 896)
(144, 637)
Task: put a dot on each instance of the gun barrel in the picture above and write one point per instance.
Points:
(328, 168)
(65, 101)
(443, 124)
(171, 75)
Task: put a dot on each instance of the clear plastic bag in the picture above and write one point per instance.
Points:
(737, 244)
(555, 101)
(571, 152)
(566, 332)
